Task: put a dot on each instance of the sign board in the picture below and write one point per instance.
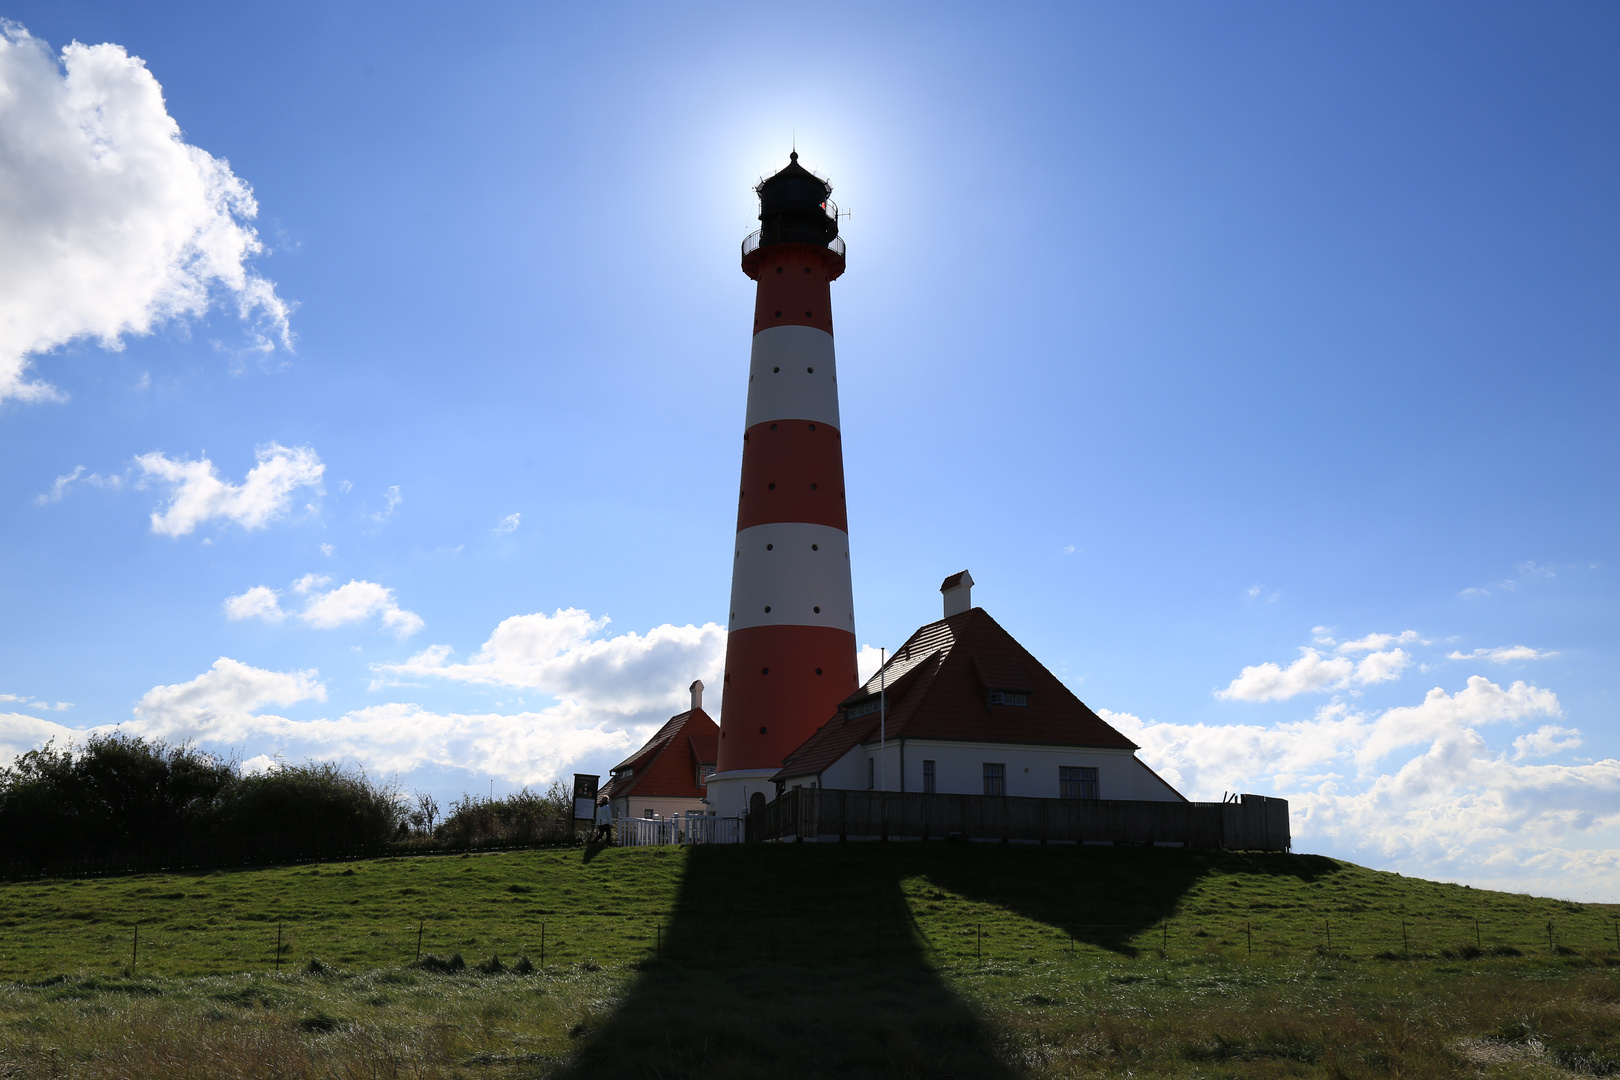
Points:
(585, 797)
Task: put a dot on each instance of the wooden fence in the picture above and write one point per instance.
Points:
(1254, 822)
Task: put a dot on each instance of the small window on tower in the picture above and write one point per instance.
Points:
(928, 776)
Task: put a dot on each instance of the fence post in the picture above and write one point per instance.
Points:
(134, 948)
(1406, 942)
(1248, 935)
(278, 947)
(420, 926)
(542, 943)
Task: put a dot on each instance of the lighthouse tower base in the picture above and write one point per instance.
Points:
(731, 794)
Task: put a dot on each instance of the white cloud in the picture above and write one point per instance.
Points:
(1506, 654)
(60, 486)
(258, 764)
(259, 602)
(360, 600)
(563, 655)
(1377, 642)
(1270, 682)
(20, 733)
(508, 524)
(522, 748)
(218, 706)
(34, 703)
(1419, 787)
(354, 602)
(1381, 667)
(867, 662)
(1481, 702)
(393, 498)
(199, 495)
(327, 549)
(613, 692)
(111, 223)
(310, 582)
(1316, 671)
(1545, 741)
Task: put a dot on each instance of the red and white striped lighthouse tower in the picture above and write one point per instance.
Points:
(790, 653)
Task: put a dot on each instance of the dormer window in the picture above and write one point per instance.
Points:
(1006, 697)
(865, 708)
(705, 770)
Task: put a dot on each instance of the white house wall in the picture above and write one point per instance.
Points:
(663, 805)
(1030, 770)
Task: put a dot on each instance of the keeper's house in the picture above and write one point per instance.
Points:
(670, 773)
(962, 708)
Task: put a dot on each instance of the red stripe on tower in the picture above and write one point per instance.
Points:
(790, 652)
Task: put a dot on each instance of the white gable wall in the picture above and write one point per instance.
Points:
(959, 769)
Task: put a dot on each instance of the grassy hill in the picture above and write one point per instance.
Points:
(848, 960)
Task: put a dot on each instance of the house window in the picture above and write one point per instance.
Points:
(928, 776)
(648, 813)
(1002, 697)
(1077, 782)
(995, 778)
(865, 708)
(871, 769)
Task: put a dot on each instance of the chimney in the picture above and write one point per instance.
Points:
(958, 590)
(697, 695)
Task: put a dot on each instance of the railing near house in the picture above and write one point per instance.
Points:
(647, 832)
(691, 827)
(1255, 822)
(711, 829)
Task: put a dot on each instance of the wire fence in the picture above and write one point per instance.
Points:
(709, 939)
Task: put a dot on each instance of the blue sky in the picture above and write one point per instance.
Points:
(1207, 337)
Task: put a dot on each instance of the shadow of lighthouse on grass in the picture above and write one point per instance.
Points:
(835, 960)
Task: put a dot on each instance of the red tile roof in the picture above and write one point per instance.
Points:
(668, 765)
(938, 687)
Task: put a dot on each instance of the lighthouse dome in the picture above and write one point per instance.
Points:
(795, 207)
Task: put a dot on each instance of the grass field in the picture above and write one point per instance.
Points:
(836, 960)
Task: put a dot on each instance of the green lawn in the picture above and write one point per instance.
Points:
(836, 960)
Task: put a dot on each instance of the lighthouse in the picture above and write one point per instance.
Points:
(790, 645)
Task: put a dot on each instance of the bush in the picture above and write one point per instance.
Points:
(120, 794)
(317, 806)
(523, 818)
(115, 790)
